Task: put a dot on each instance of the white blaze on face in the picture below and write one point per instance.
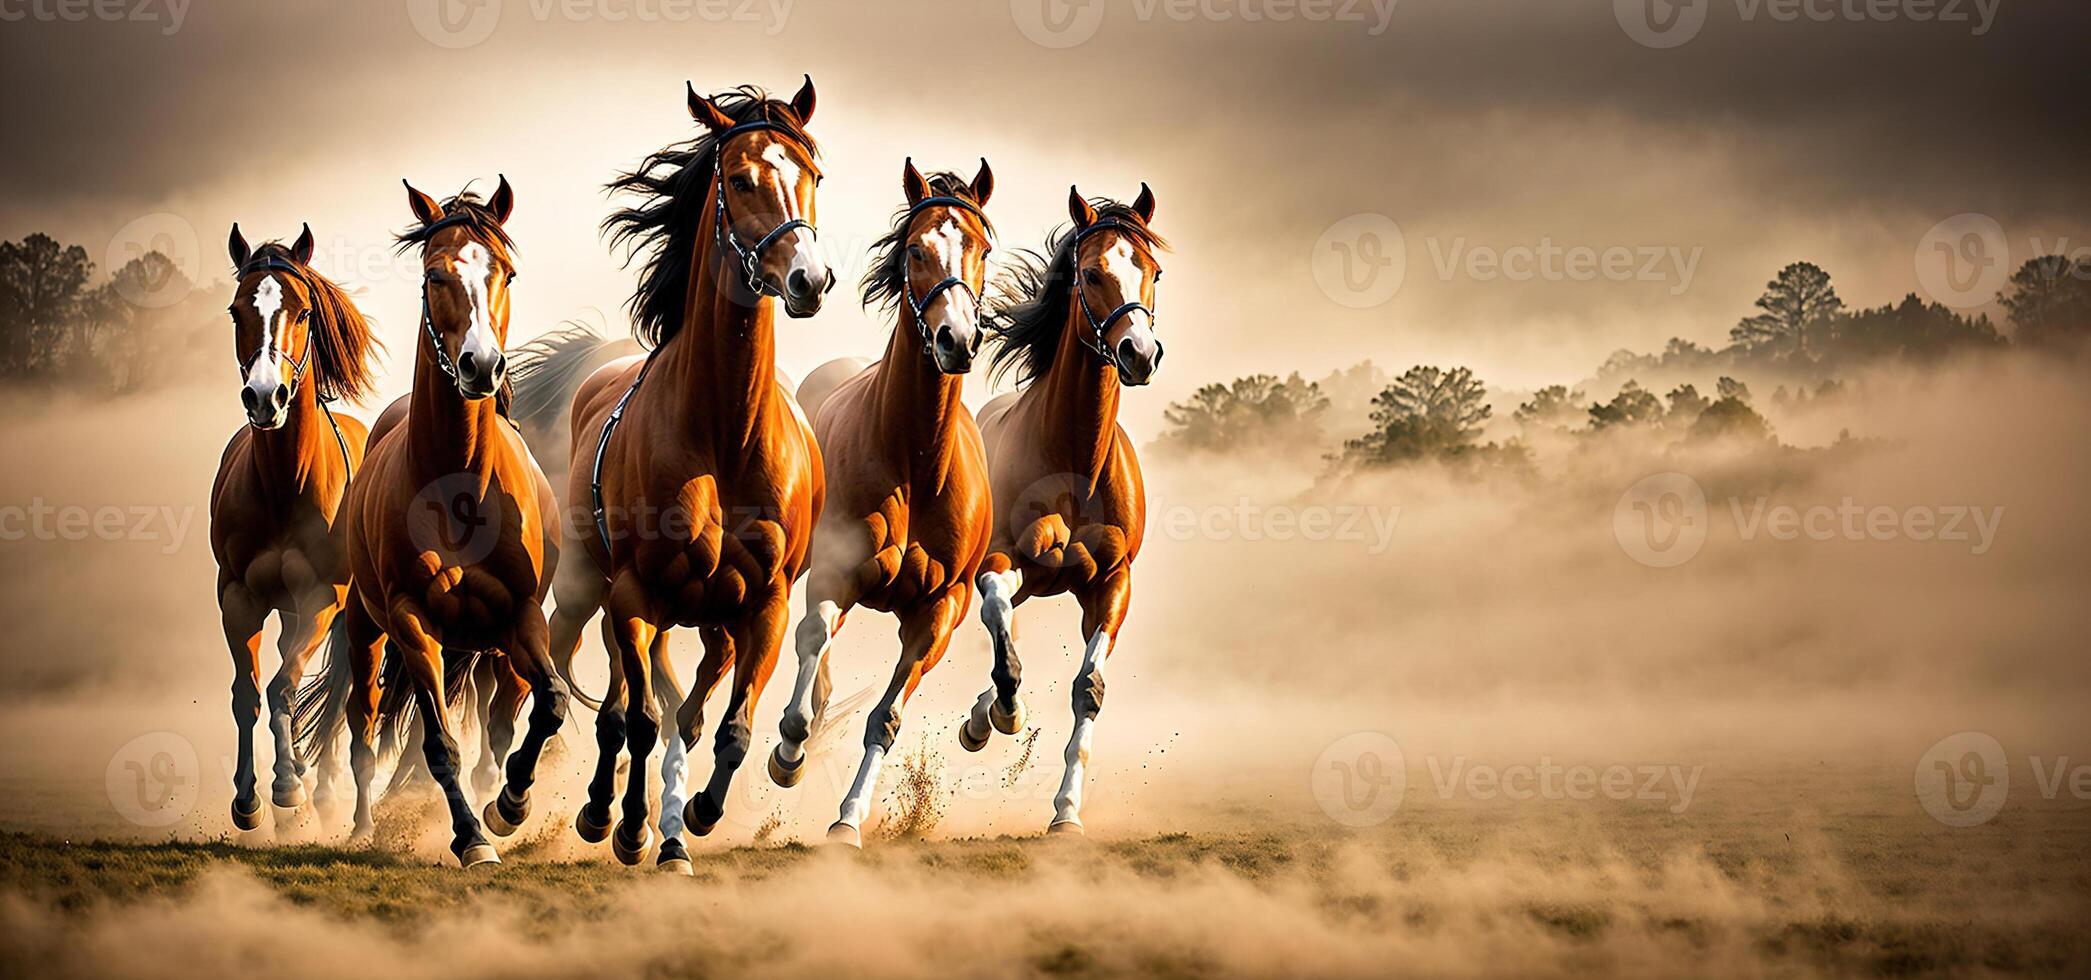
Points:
(804, 251)
(1120, 266)
(475, 269)
(268, 305)
(946, 245)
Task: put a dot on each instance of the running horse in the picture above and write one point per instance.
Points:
(1077, 325)
(300, 343)
(701, 475)
(907, 516)
(453, 530)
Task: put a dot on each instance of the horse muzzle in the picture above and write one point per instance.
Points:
(267, 405)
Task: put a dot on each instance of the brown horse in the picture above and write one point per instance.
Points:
(907, 516)
(702, 477)
(453, 530)
(1070, 508)
(299, 343)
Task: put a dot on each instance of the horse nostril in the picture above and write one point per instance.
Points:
(281, 396)
(500, 368)
(465, 362)
(249, 399)
(1126, 350)
(946, 340)
(799, 283)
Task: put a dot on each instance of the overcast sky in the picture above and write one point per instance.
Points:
(1566, 178)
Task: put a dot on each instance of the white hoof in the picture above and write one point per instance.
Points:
(246, 820)
(786, 774)
(845, 835)
(626, 855)
(289, 798)
(675, 866)
(967, 740)
(497, 822)
(1010, 723)
(1067, 827)
(478, 855)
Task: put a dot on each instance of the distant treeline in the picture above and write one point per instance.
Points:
(1802, 338)
(144, 325)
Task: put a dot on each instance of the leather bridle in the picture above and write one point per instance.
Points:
(751, 258)
(275, 263)
(907, 284)
(1096, 341)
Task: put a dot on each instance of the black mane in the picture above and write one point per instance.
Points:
(887, 279)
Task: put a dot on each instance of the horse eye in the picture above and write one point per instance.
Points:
(1093, 277)
(743, 184)
(915, 252)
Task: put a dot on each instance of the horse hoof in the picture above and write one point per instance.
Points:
(1069, 827)
(249, 819)
(786, 774)
(966, 739)
(1007, 724)
(499, 820)
(700, 817)
(629, 853)
(476, 855)
(288, 796)
(591, 830)
(674, 858)
(845, 835)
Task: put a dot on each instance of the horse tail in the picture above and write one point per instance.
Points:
(545, 373)
(397, 709)
(319, 710)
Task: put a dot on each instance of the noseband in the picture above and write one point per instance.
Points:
(1096, 341)
(275, 263)
(428, 320)
(907, 285)
(750, 258)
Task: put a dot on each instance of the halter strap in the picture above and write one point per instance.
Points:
(1096, 341)
(602, 448)
(271, 262)
(750, 258)
(907, 286)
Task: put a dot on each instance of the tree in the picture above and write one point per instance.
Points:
(1728, 387)
(1912, 330)
(1633, 405)
(1799, 303)
(1257, 411)
(2049, 300)
(1553, 407)
(1733, 419)
(40, 294)
(1685, 405)
(1428, 412)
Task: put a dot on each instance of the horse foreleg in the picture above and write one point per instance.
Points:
(593, 820)
(924, 635)
(366, 645)
(998, 706)
(756, 642)
(1102, 613)
(412, 639)
(303, 632)
(486, 687)
(816, 633)
(528, 668)
(634, 635)
(674, 856)
(242, 615)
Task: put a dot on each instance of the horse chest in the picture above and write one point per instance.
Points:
(717, 567)
(467, 604)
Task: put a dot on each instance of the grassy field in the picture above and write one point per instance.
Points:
(1749, 884)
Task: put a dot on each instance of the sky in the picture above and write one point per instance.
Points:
(1519, 187)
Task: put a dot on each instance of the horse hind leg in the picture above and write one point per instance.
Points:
(527, 668)
(634, 637)
(756, 642)
(303, 633)
(365, 642)
(1101, 616)
(809, 691)
(498, 694)
(592, 822)
(425, 665)
(999, 708)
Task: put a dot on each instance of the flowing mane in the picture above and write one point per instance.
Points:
(887, 279)
(342, 342)
(1032, 300)
(674, 187)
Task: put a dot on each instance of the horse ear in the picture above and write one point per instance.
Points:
(1078, 209)
(702, 110)
(504, 201)
(424, 207)
(1144, 204)
(301, 249)
(802, 103)
(912, 183)
(236, 247)
(983, 183)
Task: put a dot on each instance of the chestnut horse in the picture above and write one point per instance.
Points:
(299, 343)
(453, 530)
(906, 520)
(702, 477)
(1070, 508)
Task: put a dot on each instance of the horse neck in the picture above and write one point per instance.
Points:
(299, 458)
(449, 433)
(1081, 395)
(918, 405)
(721, 366)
